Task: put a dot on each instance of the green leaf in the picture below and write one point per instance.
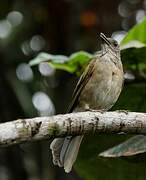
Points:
(134, 55)
(45, 57)
(133, 47)
(133, 44)
(77, 60)
(71, 64)
(80, 57)
(133, 146)
(136, 33)
(64, 67)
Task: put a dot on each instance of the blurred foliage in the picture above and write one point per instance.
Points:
(136, 33)
(133, 49)
(71, 64)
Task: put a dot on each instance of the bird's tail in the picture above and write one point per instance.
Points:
(65, 151)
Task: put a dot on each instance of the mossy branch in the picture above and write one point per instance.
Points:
(40, 128)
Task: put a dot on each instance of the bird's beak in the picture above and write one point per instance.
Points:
(105, 39)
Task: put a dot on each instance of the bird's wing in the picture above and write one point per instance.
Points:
(81, 84)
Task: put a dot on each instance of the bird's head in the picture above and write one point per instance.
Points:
(109, 44)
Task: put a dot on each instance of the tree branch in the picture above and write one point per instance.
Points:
(39, 128)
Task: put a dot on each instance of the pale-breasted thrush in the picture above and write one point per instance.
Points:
(98, 88)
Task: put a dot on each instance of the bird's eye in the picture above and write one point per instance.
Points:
(115, 43)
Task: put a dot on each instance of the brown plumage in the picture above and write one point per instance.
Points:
(98, 88)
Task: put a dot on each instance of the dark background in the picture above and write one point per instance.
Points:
(59, 27)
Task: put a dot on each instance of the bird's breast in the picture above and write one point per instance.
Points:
(103, 88)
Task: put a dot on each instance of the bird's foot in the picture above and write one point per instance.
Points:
(123, 111)
(94, 110)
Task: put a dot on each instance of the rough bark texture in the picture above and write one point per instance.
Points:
(71, 124)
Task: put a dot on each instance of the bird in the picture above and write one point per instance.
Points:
(97, 89)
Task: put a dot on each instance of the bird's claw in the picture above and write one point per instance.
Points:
(123, 111)
(94, 110)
